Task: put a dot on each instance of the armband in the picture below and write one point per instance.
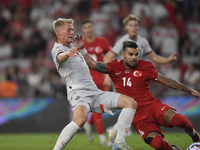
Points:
(83, 51)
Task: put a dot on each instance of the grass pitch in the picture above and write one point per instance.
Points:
(46, 141)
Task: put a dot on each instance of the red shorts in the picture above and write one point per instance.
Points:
(149, 118)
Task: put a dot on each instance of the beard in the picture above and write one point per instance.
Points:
(131, 66)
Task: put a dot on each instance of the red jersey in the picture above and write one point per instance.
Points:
(133, 82)
(97, 49)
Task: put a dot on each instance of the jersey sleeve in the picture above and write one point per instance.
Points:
(117, 48)
(110, 67)
(152, 72)
(147, 47)
(57, 51)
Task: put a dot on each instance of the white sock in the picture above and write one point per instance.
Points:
(66, 135)
(86, 125)
(115, 127)
(102, 137)
(124, 123)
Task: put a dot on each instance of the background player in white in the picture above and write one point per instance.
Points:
(83, 94)
(131, 25)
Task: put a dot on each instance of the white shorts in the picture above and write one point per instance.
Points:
(95, 100)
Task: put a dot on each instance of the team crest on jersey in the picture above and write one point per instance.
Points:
(137, 73)
(98, 50)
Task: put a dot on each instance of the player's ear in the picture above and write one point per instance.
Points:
(122, 54)
(58, 32)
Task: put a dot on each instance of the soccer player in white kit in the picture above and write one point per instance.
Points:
(131, 24)
(82, 93)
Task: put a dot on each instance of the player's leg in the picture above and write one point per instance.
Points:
(155, 140)
(172, 118)
(125, 118)
(79, 119)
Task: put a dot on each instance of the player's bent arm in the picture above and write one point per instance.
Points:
(61, 57)
(157, 59)
(98, 66)
(109, 56)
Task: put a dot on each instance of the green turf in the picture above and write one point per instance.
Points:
(46, 141)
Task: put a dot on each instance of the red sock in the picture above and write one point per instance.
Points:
(91, 119)
(159, 144)
(182, 122)
(98, 122)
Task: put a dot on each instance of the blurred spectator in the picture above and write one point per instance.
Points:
(124, 10)
(193, 29)
(169, 39)
(139, 6)
(100, 20)
(155, 36)
(34, 79)
(35, 44)
(111, 34)
(158, 10)
(192, 76)
(189, 6)
(188, 51)
(111, 7)
(143, 31)
(145, 21)
(5, 13)
(180, 26)
(170, 6)
(44, 25)
(8, 88)
(5, 49)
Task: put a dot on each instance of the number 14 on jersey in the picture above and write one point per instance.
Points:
(127, 82)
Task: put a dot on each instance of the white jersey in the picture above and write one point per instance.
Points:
(143, 44)
(74, 70)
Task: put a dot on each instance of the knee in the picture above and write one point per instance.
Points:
(80, 121)
(156, 142)
(132, 103)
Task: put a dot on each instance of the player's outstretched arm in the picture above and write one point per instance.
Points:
(162, 60)
(173, 84)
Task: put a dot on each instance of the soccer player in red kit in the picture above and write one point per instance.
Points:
(97, 47)
(132, 77)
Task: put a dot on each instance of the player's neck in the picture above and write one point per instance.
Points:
(90, 39)
(66, 44)
(133, 37)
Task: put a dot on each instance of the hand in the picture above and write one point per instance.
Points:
(194, 93)
(72, 53)
(79, 42)
(173, 57)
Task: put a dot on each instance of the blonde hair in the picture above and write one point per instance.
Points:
(130, 17)
(60, 22)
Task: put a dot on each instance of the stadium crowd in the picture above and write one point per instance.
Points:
(27, 37)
